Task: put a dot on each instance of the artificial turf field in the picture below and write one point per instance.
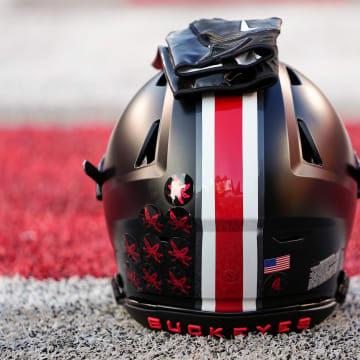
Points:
(56, 262)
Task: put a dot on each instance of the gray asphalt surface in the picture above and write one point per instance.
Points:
(62, 63)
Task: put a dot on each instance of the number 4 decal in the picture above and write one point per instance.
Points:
(276, 284)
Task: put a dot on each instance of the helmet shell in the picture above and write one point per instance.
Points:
(305, 199)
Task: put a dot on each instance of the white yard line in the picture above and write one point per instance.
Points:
(78, 318)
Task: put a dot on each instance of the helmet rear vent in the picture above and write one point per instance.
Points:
(288, 238)
(161, 81)
(310, 152)
(148, 150)
(294, 78)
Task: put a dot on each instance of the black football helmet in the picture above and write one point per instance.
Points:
(229, 214)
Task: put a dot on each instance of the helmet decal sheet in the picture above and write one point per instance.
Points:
(229, 203)
(324, 270)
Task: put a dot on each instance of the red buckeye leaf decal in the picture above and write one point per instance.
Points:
(132, 277)
(151, 221)
(178, 283)
(179, 254)
(151, 279)
(180, 224)
(152, 251)
(131, 250)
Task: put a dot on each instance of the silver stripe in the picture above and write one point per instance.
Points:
(208, 204)
(250, 201)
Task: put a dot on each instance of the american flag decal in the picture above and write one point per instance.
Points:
(277, 264)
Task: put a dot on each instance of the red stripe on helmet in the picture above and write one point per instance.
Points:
(228, 203)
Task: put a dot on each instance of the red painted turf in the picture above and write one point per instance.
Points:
(51, 225)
